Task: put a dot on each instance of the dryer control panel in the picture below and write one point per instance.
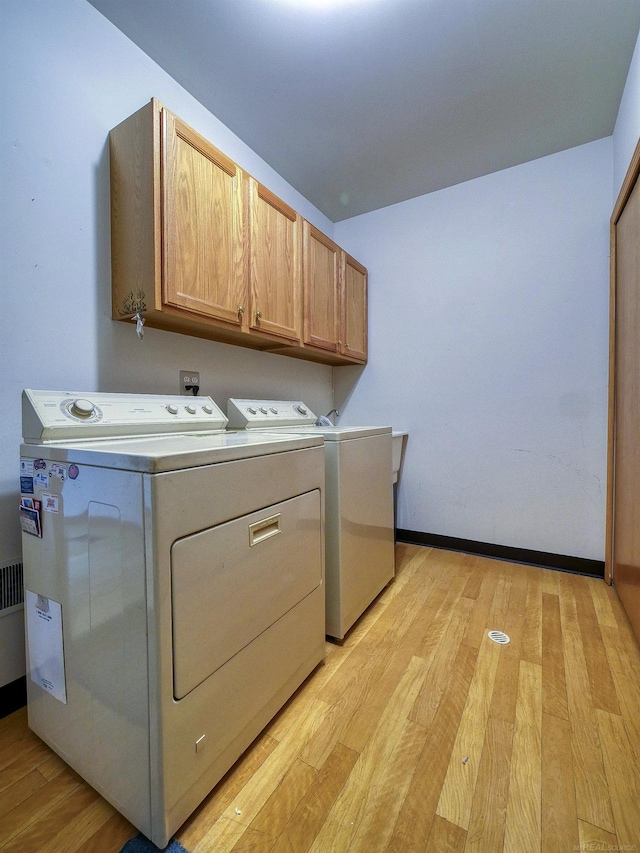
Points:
(258, 414)
(53, 415)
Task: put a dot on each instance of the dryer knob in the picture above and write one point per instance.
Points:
(191, 409)
(172, 409)
(82, 408)
(207, 410)
(252, 410)
(301, 409)
(274, 410)
(263, 410)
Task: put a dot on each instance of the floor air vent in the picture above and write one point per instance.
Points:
(11, 586)
(499, 637)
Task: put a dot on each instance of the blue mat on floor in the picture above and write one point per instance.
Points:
(143, 845)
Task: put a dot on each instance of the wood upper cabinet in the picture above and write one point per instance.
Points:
(353, 327)
(177, 227)
(321, 290)
(335, 299)
(203, 245)
(275, 235)
(198, 246)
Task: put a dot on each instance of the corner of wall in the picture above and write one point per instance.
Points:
(627, 127)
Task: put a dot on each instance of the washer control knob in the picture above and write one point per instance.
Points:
(252, 410)
(191, 409)
(82, 408)
(207, 410)
(274, 410)
(301, 409)
(263, 410)
(172, 409)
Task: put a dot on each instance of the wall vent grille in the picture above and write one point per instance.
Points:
(11, 586)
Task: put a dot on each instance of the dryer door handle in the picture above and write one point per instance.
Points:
(264, 529)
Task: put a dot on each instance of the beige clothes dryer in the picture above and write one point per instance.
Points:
(175, 590)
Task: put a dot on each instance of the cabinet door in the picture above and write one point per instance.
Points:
(354, 309)
(275, 236)
(321, 276)
(203, 251)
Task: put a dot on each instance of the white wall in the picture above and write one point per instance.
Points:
(69, 76)
(627, 129)
(489, 324)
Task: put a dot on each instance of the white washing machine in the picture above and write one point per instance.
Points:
(359, 552)
(175, 601)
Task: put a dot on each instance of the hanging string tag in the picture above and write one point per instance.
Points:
(139, 321)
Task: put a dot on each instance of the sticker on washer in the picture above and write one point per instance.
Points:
(26, 485)
(57, 470)
(45, 645)
(50, 503)
(26, 467)
(41, 478)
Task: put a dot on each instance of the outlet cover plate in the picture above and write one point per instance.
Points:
(188, 378)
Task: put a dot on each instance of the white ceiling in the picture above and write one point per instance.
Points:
(369, 103)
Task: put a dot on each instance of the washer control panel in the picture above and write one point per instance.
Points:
(51, 415)
(258, 414)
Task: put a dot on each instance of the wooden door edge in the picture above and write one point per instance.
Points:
(633, 172)
(608, 545)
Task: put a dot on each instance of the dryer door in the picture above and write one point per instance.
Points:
(231, 582)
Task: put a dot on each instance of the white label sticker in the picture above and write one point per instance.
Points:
(41, 479)
(50, 503)
(45, 646)
(26, 467)
(57, 470)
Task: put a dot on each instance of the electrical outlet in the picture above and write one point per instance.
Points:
(189, 379)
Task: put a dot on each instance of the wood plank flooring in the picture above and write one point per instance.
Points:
(417, 733)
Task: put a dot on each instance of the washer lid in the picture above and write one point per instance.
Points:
(337, 433)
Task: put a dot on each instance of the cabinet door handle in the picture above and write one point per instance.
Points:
(240, 309)
(258, 315)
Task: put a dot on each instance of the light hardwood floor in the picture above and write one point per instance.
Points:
(417, 733)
